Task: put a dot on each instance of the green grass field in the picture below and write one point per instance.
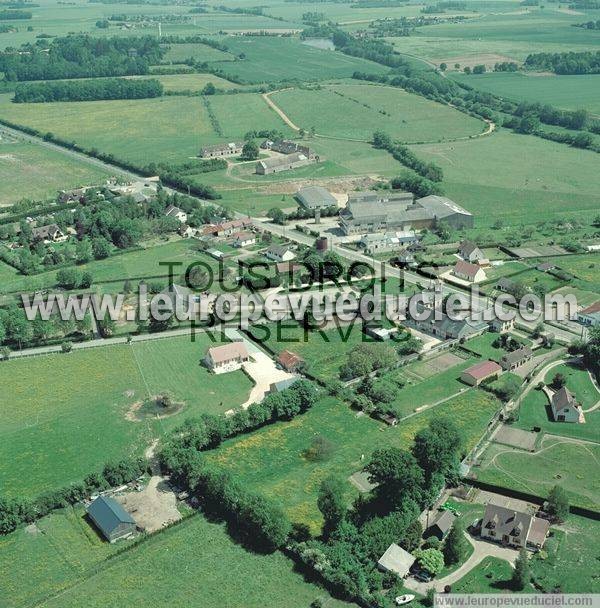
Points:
(50, 429)
(501, 177)
(67, 562)
(356, 111)
(200, 52)
(557, 461)
(34, 172)
(272, 458)
(555, 90)
(585, 267)
(273, 59)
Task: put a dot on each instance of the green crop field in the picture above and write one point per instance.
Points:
(199, 52)
(50, 429)
(32, 171)
(198, 555)
(501, 177)
(189, 82)
(356, 111)
(557, 461)
(273, 59)
(555, 90)
(295, 480)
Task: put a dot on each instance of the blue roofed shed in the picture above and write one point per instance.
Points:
(111, 518)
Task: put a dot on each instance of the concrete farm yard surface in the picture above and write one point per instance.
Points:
(59, 403)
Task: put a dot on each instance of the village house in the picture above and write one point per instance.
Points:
(505, 285)
(473, 273)
(219, 150)
(441, 525)
(282, 385)
(590, 316)
(269, 166)
(565, 407)
(501, 326)
(230, 227)
(516, 358)
(290, 361)
(243, 238)
(227, 357)
(386, 211)
(140, 190)
(49, 234)
(469, 252)
(396, 560)
(441, 326)
(315, 197)
(72, 196)
(286, 146)
(177, 213)
(186, 231)
(481, 372)
(111, 519)
(388, 241)
(513, 528)
(280, 253)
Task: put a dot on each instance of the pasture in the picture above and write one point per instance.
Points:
(50, 429)
(356, 111)
(584, 266)
(273, 460)
(273, 59)
(571, 464)
(35, 172)
(178, 53)
(221, 571)
(501, 177)
(565, 92)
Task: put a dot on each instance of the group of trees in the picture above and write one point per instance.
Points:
(419, 186)
(81, 56)
(585, 62)
(16, 511)
(366, 358)
(88, 90)
(589, 25)
(375, 50)
(354, 538)
(403, 154)
(7, 15)
(589, 349)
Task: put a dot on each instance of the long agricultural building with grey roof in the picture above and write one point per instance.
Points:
(385, 211)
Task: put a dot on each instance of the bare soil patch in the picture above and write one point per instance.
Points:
(142, 410)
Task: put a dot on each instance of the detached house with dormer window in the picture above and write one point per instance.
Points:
(513, 528)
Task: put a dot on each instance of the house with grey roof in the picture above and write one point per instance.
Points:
(280, 253)
(469, 252)
(111, 519)
(516, 358)
(385, 210)
(565, 407)
(276, 164)
(49, 234)
(396, 560)
(219, 150)
(315, 197)
(378, 242)
(175, 212)
(441, 525)
(438, 324)
(513, 528)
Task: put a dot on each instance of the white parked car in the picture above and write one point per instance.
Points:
(404, 599)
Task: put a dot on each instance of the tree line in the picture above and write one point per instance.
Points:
(586, 62)
(81, 56)
(88, 90)
(7, 15)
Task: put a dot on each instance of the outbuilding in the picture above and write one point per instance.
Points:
(111, 519)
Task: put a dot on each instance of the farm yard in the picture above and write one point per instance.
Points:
(112, 383)
(47, 172)
(356, 111)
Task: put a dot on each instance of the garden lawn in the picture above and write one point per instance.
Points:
(500, 177)
(357, 111)
(535, 411)
(50, 430)
(579, 383)
(483, 345)
(35, 172)
(199, 558)
(557, 461)
(585, 266)
(272, 459)
(491, 575)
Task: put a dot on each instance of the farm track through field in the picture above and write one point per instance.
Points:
(491, 126)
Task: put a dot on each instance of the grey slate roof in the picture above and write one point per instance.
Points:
(441, 206)
(506, 521)
(315, 196)
(517, 355)
(108, 514)
(444, 521)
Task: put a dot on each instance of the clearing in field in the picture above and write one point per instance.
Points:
(502, 177)
(60, 402)
(356, 111)
(273, 458)
(572, 464)
(35, 172)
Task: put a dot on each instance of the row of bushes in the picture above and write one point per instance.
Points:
(17, 511)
